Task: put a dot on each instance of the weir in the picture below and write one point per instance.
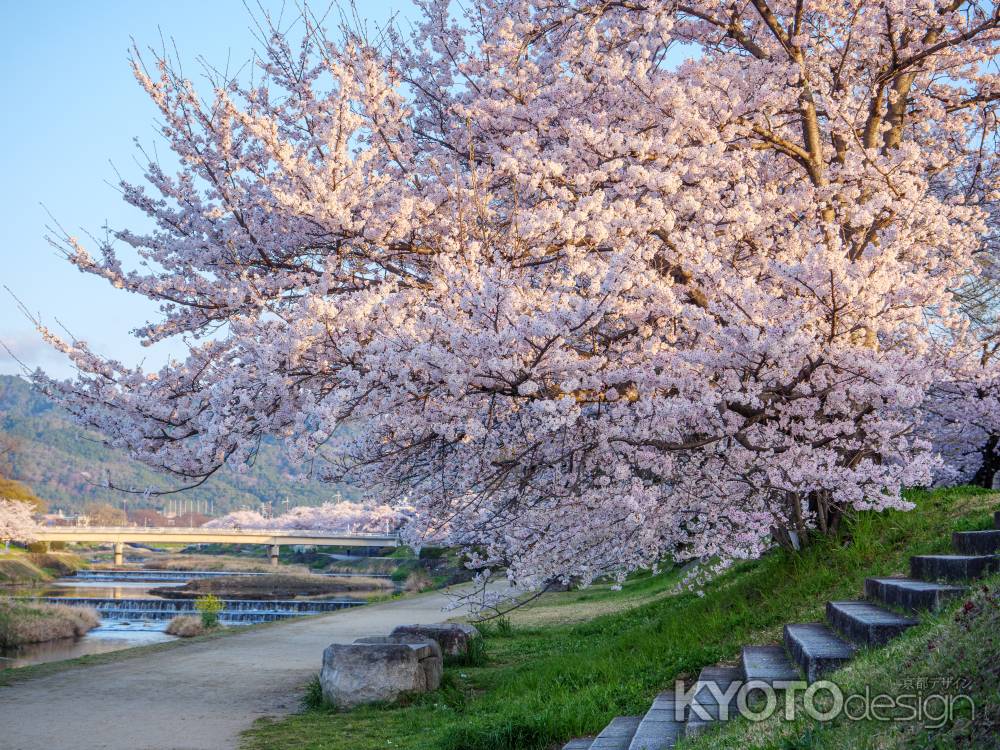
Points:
(187, 575)
(233, 611)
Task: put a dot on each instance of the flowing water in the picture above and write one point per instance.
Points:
(132, 615)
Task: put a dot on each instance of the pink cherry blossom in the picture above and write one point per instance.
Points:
(16, 523)
(582, 305)
(340, 516)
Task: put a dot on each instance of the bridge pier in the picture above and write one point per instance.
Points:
(272, 552)
(119, 553)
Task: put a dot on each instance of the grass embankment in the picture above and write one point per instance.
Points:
(566, 665)
(20, 568)
(21, 622)
(277, 586)
(955, 655)
(155, 560)
(369, 565)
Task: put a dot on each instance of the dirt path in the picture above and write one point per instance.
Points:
(199, 696)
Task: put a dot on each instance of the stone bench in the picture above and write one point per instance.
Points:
(452, 637)
(378, 669)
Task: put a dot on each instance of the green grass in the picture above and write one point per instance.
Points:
(16, 568)
(567, 665)
(955, 654)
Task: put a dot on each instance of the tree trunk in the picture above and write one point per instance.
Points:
(990, 463)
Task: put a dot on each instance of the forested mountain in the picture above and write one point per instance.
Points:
(68, 466)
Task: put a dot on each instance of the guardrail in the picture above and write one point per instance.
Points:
(209, 531)
(273, 538)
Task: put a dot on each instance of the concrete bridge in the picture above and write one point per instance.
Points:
(274, 539)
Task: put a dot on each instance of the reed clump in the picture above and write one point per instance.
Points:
(186, 626)
(23, 622)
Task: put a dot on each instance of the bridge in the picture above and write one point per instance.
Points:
(274, 539)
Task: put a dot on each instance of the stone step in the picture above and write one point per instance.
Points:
(583, 743)
(910, 594)
(816, 649)
(866, 623)
(996, 520)
(617, 735)
(659, 728)
(976, 542)
(768, 664)
(953, 567)
(704, 707)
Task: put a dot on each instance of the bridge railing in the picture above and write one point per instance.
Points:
(201, 530)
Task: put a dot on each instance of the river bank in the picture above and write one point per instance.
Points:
(135, 606)
(23, 622)
(218, 684)
(19, 567)
(275, 586)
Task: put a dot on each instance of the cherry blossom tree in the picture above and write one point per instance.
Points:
(584, 303)
(16, 523)
(240, 519)
(962, 413)
(339, 516)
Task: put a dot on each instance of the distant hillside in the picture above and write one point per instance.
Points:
(66, 465)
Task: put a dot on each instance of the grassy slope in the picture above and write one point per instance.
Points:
(955, 653)
(550, 678)
(18, 567)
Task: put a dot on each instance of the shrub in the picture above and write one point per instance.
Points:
(313, 697)
(186, 626)
(418, 580)
(473, 656)
(209, 606)
(35, 623)
(432, 553)
(401, 573)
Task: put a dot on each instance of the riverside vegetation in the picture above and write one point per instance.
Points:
(276, 586)
(564, 665)
(23, 622)
(186, 626)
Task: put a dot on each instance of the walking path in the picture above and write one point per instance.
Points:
(199, 696)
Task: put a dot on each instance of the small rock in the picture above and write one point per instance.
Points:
(379, 669)
(453, 637)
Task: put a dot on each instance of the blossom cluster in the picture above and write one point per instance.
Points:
(16, 522)
(584, 304)
(340, 516)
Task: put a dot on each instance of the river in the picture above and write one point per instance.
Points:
(132, 615)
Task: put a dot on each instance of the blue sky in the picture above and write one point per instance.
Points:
(71, 110)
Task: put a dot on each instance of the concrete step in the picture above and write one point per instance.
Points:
(617, 735)
(977, 542)
(953, 567)
(910, 594)
(865, 623)
(816, 649)
(768, 664)
(996, 520)
(659, 728)
(704, 707)
(583, 743)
